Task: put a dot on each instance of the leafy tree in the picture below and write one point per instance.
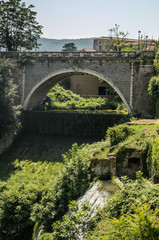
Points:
(117, 38)
(9, 111)
(69, 47)
(15, 208)
(18, 26)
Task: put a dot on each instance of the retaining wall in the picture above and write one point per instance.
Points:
(69, 123)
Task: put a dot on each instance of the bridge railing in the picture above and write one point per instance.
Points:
(81, 54)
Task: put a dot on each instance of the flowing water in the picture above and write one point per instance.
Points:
(97, 197)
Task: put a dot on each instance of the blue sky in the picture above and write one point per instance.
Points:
(93, 18)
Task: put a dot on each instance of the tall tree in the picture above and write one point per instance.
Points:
(9, 110)
(117, 38)
(69, 47)
(18, 26)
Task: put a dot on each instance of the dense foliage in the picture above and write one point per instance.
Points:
(26, 186)
(9, 111)
(18, 26)
(37, 194)
(131, 213)
(74, 224)
(135, 196)
(72, 182)
(154, 87)
(59, 98)
(118, 134)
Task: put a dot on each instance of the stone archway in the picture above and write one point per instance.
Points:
(40, 90)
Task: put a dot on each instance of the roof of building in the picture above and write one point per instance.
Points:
(88, 50)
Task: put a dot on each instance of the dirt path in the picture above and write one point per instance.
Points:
(144, 122)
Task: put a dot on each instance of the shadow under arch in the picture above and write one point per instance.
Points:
(40, 90)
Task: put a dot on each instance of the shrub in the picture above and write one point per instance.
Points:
(155, 157)
(154, 87)
(118, 134)
(15, 210)
(142, 225)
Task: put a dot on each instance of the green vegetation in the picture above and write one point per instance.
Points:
(38, 193)
(131, 213)
(59, 98)
(118, 134)
(138, 141)
(132, 210)
(9, 111)
(69, 47)
(130, 47)
(154, 83)
(18, 26)
(68, 228)
(155, 157)
(26, 186)
(117, 38)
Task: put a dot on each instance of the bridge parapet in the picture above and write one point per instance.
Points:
(81, 54)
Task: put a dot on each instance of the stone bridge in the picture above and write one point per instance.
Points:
(128, 73)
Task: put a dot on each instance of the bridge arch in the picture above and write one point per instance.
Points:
(40, 90)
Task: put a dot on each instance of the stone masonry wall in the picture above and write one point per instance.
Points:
(129, 77)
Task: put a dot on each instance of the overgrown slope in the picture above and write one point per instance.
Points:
(36, 192)
(59, 98)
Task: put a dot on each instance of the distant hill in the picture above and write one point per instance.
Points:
(57, 44)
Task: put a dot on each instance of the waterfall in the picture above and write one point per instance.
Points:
(95, 196)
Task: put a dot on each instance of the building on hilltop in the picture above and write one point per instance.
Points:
(104, 43)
